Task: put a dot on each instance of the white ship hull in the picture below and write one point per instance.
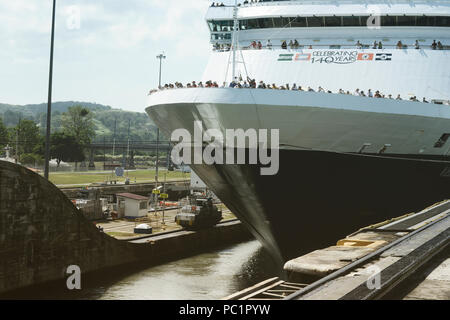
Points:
(309, 120)
(323, 181)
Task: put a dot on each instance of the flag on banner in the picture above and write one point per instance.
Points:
(383, 57)
(302, 57)
(365, 56)
(285, 57)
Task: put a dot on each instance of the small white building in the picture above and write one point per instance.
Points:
(131, 205)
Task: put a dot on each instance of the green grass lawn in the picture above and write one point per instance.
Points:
(77, 178)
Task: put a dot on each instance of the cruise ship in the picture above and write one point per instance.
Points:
(346, 160)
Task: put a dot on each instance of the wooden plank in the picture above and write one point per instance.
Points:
(295, 284)
(248, 291)
(281, 290)
(261, 290)
(292, 287)
(274, 295)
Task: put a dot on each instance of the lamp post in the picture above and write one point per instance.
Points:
(49, 102)
(160, 57)
(157, 156)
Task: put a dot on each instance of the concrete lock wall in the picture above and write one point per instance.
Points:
(42, 233)
(92, 210)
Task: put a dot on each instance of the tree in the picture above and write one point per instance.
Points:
(10, 118)
(3, 135)
(30, 159)
(65, 148)
(41, 120)
(78, 122)
(27, 135)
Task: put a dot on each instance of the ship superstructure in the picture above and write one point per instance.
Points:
(335, 45)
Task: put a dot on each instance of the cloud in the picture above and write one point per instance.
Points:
(21, 16)
(114, 46)
(108, 22)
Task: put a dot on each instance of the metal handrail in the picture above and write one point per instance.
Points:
(336, 46)
(296, 2)
(431, 101)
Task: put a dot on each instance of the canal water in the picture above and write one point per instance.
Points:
(211, 275)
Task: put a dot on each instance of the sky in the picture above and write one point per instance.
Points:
(105, 50)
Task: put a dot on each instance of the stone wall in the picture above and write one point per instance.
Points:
(42, 233)
(92, 210)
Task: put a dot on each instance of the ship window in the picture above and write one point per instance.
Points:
(421, 21)
(286, 22)
(315, 21)
(364, 20)
(406, 21)
(426, 21)
(227, 26)
(431, 21)
(217, 26)
(299, 22)
(243, 24)
(443, 21)
(282, 22)
(265, 23)
(333, 21)
(213, 25)
(277, 23)
(388, 21)
(253, 24)
(221, 36)
(350, 21)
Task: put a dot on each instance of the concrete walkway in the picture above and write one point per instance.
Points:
(436, 285)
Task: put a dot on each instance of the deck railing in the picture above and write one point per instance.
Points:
(297, 2)
(328, 46)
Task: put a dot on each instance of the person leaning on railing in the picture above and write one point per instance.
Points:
(239, 83)
(217, 4)
(437, 45)
(434, 45)
(295, 45)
